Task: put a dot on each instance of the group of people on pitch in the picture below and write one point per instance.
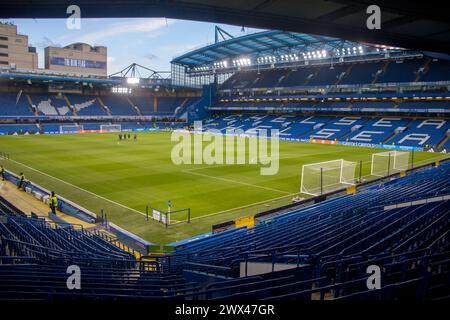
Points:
(21, 183)
(127, 136)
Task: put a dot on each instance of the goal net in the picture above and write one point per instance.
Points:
(70, 128)
(386, 163)
(169, 217)
(322, 177)
(110, 128)
(163, 217)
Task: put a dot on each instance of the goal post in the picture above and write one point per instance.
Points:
(169, 217)
(70, 128)
(318, 178)
(388, 162)
(110, 128)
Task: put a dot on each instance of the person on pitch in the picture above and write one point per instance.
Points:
(2, 172)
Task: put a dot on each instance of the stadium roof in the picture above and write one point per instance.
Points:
(266, 42)
(422, 25)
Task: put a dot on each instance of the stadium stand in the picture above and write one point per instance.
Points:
(401, 71)
(377, 130)
(391, 71)
(119, 105)
(423, 132)
(50, 105)
(318, 252)
(362, 73)
(9, 107)
(161, 105)
(18, 129)
(435, 70)
(86, 105)
(291, 228)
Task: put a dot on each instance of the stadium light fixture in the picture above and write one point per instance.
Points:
(132, 80)
(241, 62)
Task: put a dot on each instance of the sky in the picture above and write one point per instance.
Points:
(151, 42)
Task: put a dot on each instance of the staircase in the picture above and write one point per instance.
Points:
(441, 144)
(378, 75)
(347, 73)
(284, 78)
(314, 75)
(74, 111)
(179, 111)
(30, 106)
(134, 107)
(182, 104)
(425, 67)
(105, 108)
(345, 135)
(393, 135)
(253, 85)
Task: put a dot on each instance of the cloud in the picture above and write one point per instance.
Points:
(151, 27)
(46, 42)
(151, 56)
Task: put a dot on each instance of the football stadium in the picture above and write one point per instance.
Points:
(295, 162)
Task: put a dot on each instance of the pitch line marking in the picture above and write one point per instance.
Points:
(79, 188)
(194, 218)
(237, 182)
(241, 207)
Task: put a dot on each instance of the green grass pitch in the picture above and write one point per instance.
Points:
(99, 172)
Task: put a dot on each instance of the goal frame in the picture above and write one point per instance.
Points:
(392, 156)
(341, 180)
(110, 125)
(79, 129)
(165, 217)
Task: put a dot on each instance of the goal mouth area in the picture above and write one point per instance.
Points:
(110, 128)
(323, 177)
(168, 218)
(70, 129)
(387, 162)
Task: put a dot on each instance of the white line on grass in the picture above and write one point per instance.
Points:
(237, 182)
(187, 171)
(241, 207)
(77, 187)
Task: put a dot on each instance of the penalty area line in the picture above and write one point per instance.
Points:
(236, 182)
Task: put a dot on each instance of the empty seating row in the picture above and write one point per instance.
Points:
(425, 133)
(320, 252)
(386, 71)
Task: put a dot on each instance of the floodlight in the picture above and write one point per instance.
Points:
(132, 80)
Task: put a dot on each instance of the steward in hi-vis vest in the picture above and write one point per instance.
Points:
(21, 181)
(53, 202)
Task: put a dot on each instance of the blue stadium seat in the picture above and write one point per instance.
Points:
(9, 107)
